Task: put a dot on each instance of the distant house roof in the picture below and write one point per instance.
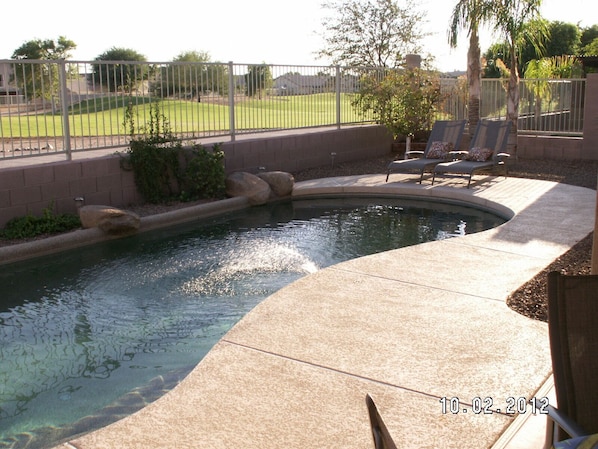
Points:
(297, 80)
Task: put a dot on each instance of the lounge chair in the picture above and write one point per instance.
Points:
(445, 136)
(486, 151)
(573, 334)
(382, 438)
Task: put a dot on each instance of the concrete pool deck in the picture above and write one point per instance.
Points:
(408, 326)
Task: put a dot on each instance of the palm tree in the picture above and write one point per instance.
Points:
(518, 21)
(470, 14)
(540, 71)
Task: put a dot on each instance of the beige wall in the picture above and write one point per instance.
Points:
(30, 189)
(551, 147)
(568, 148)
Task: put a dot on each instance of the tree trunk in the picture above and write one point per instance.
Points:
(513, 106)
(474, 81)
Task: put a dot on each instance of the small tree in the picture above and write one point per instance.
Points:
(405, 101)
(371, 33)
(591, 48)
(258, 79)
(561, 39)
(45, 49)
(118, 72)
(588, 35)
(30, 77)
(190, 75)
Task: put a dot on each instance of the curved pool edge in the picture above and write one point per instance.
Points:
(360, 185)
(296, 369)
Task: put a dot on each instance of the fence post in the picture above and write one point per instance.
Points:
(338, 97)
(231, 101)
(66, 130)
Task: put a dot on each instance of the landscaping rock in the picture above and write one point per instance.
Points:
(245, 184)
(109, 219)
(280, 182)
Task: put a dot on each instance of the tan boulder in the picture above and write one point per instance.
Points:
(109, 219)
(280, 182)
(245, 184)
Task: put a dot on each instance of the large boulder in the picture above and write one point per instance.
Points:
(245, 184)
(109, 219)
(280, 182)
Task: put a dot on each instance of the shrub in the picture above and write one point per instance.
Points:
(164, 170)
(204, 174)
(49, 223)
(155, 166)
(403, 101)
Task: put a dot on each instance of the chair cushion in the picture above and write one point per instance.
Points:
(478, 154)
(439, 150)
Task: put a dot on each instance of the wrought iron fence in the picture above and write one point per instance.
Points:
(546, 106)
(51, 107)
(66, 106)
(551, 106)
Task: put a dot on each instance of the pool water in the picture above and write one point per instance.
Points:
(91, 335)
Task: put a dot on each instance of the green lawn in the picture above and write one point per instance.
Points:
(105, 116)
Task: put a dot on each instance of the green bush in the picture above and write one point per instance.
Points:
(164, 170)
(204, 174)
(404, 101)
(49, 223)
(155, 167)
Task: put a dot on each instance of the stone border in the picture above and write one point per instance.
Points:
(84, 237)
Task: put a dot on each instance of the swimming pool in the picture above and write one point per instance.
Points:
(90, 335)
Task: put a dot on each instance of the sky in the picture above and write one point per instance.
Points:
(272, 31)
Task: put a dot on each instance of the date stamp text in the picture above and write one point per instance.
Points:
(487, 405)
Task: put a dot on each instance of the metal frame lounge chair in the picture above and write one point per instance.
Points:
(382, 438)
(486, 151)
(444, 132)
(573, 333)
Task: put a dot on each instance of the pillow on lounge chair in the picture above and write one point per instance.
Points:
(478, 154)
(439, 150)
